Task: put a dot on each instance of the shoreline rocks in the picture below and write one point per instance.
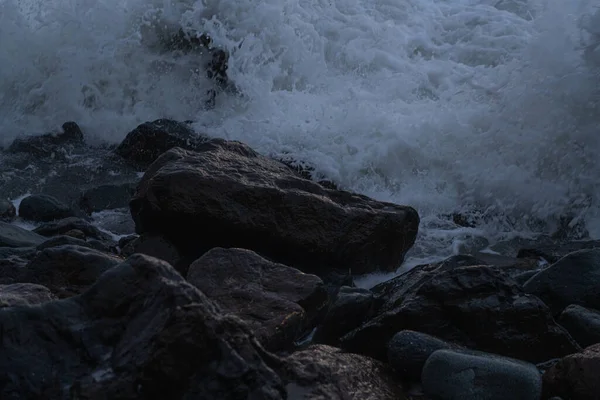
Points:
(238, 285)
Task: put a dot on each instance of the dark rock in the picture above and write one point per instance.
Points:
(14, 236)
(106, 197)
(149, 140)
(324, 372)
(460, 374)
(582, 323)
(351, 308)
(49, 143)
(11, 269)
(230, 196)
(574, 279)
(43, 208)
(63, 226)
(279, 303)
(140, 332)
(554, 252)
(24, 294)
(8, 211)
(156, 246)
(68, 270)
(408, 351)
(475, 306)
(395, 289)
(63, 240)
(575, 376)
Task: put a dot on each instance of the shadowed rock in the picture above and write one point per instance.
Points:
(141, 332)
(230, 196)
(279, 303)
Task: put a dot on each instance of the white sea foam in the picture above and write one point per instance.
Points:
(444, 105)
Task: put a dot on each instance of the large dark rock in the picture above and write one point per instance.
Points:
(574, 279)
(554, 252)
(351, 307)
(106, 197)
(461, 374)
(582, 323)
(64, 226)
(279, 303)
(575, 376)
(230, 196)
(15, 236)
(324, 372)
(408, 351)
(45, 145)
(67, 270)
(24, 294)
(141, 332)
(8, 212)
(149, 140)
(43, 208)
(475, 306)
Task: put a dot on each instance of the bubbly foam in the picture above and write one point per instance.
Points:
(443, 105)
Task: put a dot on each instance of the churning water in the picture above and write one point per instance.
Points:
(445, 105)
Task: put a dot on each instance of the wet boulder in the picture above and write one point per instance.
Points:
(148, 141)
(279, 303)
(324, 372)
(462, 374)
(574, 279)
(67, 270)
(50, 143)
(582, 323)
(15, 236)
(140, 332)
(474, 306)
(574, 376)
(43, 208)
(231, 196)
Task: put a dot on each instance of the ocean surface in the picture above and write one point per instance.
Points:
(486, 108)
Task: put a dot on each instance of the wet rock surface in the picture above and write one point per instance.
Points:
(324, 372)
(43, 208)
(574, 279)
(279, 303)
(408, 351)
(582, 323)
(575, 376)
(253, 202)
(460, 374)
(474, 306)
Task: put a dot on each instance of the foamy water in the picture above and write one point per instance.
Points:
(445, 105)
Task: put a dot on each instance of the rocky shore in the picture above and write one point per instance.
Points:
(223, 273)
